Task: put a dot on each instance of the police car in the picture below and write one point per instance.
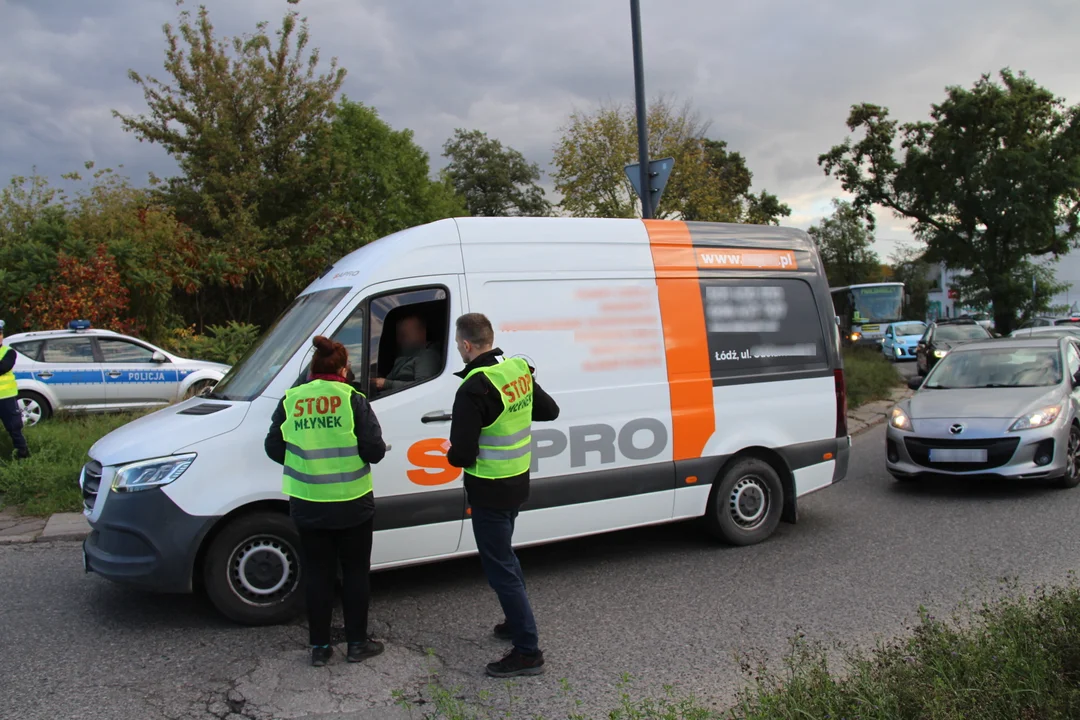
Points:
(83, 369)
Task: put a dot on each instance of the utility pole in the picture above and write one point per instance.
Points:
(642, 127)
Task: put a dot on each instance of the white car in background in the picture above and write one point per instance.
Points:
(87, 370)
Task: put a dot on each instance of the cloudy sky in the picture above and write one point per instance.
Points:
(774, 77)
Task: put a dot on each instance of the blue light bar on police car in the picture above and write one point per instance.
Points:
(79, 325)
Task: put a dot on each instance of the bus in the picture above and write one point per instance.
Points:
(865, 311)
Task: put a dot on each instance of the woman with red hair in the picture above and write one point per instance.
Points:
(327, 437)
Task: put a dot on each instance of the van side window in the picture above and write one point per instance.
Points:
(761, 327)
(408, 339)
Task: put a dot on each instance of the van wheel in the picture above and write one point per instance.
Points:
(34, 408)
(252, 570)
(746, 503)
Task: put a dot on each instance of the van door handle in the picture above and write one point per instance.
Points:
(436, 416)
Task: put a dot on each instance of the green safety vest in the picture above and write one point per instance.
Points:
(8, 388)
(506, 444)
(322, 463)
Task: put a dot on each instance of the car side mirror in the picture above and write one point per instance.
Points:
(159, 357)
(914, 383)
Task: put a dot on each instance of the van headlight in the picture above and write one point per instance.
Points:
(899, 419)
(1039, 418)
(148, 474)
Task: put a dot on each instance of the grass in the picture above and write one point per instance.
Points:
(48, 482)
(1017, 658)
(869, 376)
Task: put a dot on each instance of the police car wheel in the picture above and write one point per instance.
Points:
(252, 570)
(34, 408)
(199, 388)
(746, 503)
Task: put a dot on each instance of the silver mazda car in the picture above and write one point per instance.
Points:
(1003, 408)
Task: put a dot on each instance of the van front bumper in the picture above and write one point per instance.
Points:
(143, 539)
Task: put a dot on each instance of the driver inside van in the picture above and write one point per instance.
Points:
(417, 359)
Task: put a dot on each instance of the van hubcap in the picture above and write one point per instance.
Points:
(749, 502)
(263, 570)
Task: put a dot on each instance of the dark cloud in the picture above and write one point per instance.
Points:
(774, 78)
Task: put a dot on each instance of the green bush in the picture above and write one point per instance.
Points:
(1015, 658)
(869, 376)
(221, 343)
(48, 482)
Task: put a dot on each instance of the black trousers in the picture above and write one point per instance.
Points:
(13, 423)
(324, 551)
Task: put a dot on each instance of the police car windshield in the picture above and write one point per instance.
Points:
(249, 377)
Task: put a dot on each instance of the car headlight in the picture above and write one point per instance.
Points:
(1039, 418)
(899, 419)
(940, 353)
(148, 474)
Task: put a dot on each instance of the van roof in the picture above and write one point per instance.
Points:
(553, 245)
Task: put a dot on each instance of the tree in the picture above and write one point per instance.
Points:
(731, 179)
(383, 179)
(846, 246)
(910, 267)
(496, 181)
(85, 290)
(707, 183)
(991, 181)
(243, 117)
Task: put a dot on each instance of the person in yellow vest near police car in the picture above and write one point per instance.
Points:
(491, 438)
(10, 413)
(327, 437)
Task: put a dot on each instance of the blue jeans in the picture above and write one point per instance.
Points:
(494, 530)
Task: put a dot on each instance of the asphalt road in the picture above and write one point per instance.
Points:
(664, 604)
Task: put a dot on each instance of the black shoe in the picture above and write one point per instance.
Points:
(320, 655)
(22, 454)
(517, 664)
(361, 651)
(502, 631)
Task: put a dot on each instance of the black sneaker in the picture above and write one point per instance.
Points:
(22, 455)
(361, 651)
(502, 631)
(320, 655)
(517, 664)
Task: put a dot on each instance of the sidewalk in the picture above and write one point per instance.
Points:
(73, 526)
(16, 528)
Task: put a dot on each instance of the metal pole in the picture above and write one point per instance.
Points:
(642, 127)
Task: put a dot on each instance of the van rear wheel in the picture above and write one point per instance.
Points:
(252, 570)
(746, 504)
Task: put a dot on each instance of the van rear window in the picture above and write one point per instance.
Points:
(756, 326)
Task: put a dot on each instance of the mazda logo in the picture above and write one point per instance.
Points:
(956, 429)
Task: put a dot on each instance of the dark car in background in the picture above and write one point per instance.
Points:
(942, 336)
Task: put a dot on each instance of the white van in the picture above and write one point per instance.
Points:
(696, 366)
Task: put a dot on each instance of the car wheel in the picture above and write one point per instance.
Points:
(34, 408)
(746, 503)
(199, 388)
(252, 570)
(1071, 478)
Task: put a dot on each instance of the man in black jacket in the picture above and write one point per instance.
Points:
(495, 502)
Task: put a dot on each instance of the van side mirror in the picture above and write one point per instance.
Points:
(914, 383)
(159, 357)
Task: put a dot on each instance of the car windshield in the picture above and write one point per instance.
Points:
(997, 368)
(264, 360)
(960, 333)
(905, 329)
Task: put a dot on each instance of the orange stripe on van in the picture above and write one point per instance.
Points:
(693, 417)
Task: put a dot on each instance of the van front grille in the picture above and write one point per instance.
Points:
(91, 483)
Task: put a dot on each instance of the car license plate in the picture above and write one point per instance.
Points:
(946, 455)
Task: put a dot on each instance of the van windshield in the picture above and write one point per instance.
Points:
(261, 364)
